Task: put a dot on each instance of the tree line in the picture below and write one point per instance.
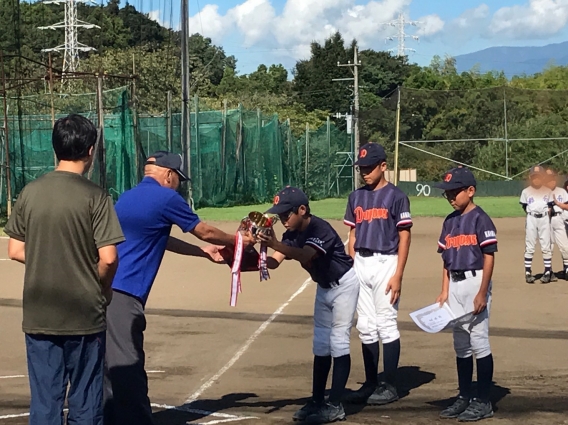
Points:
(483, 111)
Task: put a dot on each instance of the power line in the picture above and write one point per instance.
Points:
(400, 24)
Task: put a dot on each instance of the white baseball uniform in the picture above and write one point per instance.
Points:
(558, 225)
(537, 225)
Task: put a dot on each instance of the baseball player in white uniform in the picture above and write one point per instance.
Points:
(379, 241)
(558, 213)
(535, 201)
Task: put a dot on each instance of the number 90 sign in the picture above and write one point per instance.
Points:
(423, 189)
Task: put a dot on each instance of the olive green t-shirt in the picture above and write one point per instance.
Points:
(64, 219)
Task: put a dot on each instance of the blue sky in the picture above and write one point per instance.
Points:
(280, 31)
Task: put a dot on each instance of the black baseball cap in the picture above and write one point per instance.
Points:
(288, 199)
(371, 154)
(170, 160)
(457, 178)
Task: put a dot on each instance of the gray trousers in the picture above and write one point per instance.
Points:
(126, 383)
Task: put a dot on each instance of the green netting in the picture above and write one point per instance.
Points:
(237, 156)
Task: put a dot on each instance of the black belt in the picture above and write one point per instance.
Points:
(537, 215)
(364, 252)
(459, 275)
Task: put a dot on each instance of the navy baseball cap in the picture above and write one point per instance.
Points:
(457, 178)
(537, 169)
(288, 199)
(371, 154)
(166, 159)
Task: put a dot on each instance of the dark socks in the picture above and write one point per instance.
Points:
(371, 362)
(465, 375)
(322, 365)
(391, 353)
(341, 369)
(484, 377)
(548, 265)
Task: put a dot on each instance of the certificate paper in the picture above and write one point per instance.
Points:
(433, 319)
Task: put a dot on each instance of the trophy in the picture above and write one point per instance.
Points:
(246, 259)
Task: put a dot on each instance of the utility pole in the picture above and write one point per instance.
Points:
(185, 101)
(400, 24)
(71, 25)
(355, 69)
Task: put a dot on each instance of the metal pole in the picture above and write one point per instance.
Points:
(101, 148)
(397, 138)
(169, 120)
(307, 159)
(185, 100)
(506, 132)
(50, 71)
(224, 138)
(356, 87)
(328, 154)
(289, 141)
(6, 139)
(197, 147)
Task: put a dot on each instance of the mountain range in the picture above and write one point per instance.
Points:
(515, 60)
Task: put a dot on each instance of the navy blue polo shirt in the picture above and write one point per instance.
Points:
(146, 214)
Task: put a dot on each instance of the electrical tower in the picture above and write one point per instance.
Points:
(400, 23)
(71, 25)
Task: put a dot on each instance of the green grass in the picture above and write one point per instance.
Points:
(334, 209)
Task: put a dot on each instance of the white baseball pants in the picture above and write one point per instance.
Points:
(377, 317)
(537, 229)
(334, 311)
(471, 336)
(559, 235)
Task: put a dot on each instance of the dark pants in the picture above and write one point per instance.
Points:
(126, 382)
(54, 362)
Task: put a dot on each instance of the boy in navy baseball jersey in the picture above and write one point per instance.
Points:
(318, 248)
(379, 241)
(468, 243)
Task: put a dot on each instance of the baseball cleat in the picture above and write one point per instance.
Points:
(361, 395)
(456, 409)
(326, 414)
(476, 411)
(553, 277)
(529, 278)
(546, 278)
(385, 394)
(309, 409)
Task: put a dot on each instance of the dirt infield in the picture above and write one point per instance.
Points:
(210, 363)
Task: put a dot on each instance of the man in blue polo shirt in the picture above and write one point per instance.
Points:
(146, 214)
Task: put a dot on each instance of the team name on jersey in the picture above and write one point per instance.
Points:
(405, 215)
(460, 241)
(490, 234)
(370, 214)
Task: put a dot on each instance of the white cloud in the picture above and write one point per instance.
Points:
(303, 21)
(538, 18)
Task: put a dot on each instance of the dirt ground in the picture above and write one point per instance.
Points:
(209, 363)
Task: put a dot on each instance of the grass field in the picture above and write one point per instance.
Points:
(334, 209)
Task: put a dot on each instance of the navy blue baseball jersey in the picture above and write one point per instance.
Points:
(465, 238)
(377, 216)
(332, 262)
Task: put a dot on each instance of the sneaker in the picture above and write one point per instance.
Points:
(553, 277)
(545, 277)
(361, 395)
(310, 408)
(476, 411)
(327, 413)
(384, 394)
(529, 278)
(456, 409)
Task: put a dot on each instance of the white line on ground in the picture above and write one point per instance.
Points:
(220, 421)
(155, 371)
(19, 415)
(248, 343)
(201, 412)
(5, 259)
(13, 376)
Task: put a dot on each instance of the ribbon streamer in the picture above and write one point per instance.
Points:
(236, 269)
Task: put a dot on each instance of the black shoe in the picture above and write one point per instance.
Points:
(384, 394)
(476, 411)
(529, 278)
(310, 408)
(546, 278)
(361, 395)
(456, 409)
(553, 277)
(327, 413)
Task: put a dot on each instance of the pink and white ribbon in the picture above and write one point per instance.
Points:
(236, 269)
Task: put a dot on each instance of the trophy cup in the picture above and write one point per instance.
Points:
(246, 259)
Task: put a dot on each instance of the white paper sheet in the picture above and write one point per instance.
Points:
(433, 318)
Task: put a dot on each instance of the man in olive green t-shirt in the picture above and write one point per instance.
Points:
(65, 230)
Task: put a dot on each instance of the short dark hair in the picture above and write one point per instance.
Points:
(72, 137)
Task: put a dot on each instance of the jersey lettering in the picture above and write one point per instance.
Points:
(370, 214)
(490, 234)
(460, 240)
